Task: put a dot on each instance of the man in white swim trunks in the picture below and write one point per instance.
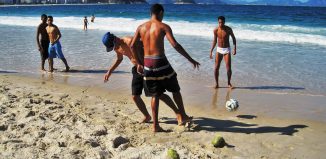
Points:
(221, 35)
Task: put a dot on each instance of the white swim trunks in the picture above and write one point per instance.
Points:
(223, 51)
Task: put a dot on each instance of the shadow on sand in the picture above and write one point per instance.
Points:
(217, 125)
(247, 116)
(7, 72)
(271, 88)
(95, 71)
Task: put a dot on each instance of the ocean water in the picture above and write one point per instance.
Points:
(279, 49)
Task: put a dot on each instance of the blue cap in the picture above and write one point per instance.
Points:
(108, 41)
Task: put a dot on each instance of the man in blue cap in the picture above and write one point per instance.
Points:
(121, 46)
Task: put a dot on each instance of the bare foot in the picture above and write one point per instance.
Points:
(185, 120)
(179, 119)
(230, 86)
(43, 70)
(158, 129)
(216, 86)
(51, 71)
(147, 119)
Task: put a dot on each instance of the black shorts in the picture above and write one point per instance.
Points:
(158, 87)
(137, 83)
(45, 52)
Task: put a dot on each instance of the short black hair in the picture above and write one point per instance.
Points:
(50, 17)
(222, 18)
(44, 16)
(156, 9)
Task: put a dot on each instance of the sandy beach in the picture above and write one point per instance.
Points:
(43, 119)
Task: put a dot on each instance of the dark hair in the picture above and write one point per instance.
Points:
(44, 16)
(222, 18)
(156, 9)
(50, 17)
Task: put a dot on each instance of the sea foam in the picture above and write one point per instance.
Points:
(255, 32)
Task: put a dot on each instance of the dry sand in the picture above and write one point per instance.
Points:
(43, 119)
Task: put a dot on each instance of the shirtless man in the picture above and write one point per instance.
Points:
(158, 73)
(55, 50)
(42, 39)
(121, 46)
(85, 23)
(92, 18)
(221, 35)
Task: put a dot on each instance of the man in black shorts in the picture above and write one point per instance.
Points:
(122, 47)
(42, 39)
(158, 73)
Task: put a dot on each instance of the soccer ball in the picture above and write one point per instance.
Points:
(232, 105)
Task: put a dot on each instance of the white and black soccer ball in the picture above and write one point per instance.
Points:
(232, 105)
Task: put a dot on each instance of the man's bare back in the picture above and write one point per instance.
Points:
(152, 34)
(124, 48)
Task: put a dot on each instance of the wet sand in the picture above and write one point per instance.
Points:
(44, 118)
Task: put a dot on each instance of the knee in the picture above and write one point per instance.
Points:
(135, 97)
(217, 67)
(228, 68)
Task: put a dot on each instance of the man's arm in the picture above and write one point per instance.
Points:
(234, 42)
(178, 47)
(58, 36)
(113, 67)
(213, 44)
(38, 38)
(133, 47)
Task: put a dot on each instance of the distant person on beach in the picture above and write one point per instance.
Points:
(42, 39)
(159, 75)
(85, 23)
(221, 35)
(92, 18)
(55, 50)
(121, 46)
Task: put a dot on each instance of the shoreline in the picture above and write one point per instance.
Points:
(203, 98)
(43, 119)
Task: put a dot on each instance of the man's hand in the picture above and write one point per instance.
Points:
(234, 51)
(195, 63)
(211, 55)
(106, 77)
(140, 69)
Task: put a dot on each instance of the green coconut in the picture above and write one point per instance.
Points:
(172, 154)
(218, 141)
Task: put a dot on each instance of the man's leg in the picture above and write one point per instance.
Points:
(44, 53)
(142, 107)
(137, 85)
(66, 64)
(155, 106)
(50, 64)
(168, 101)
(42, 64)
(227, 59)
(178, 100)
(218, 60)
